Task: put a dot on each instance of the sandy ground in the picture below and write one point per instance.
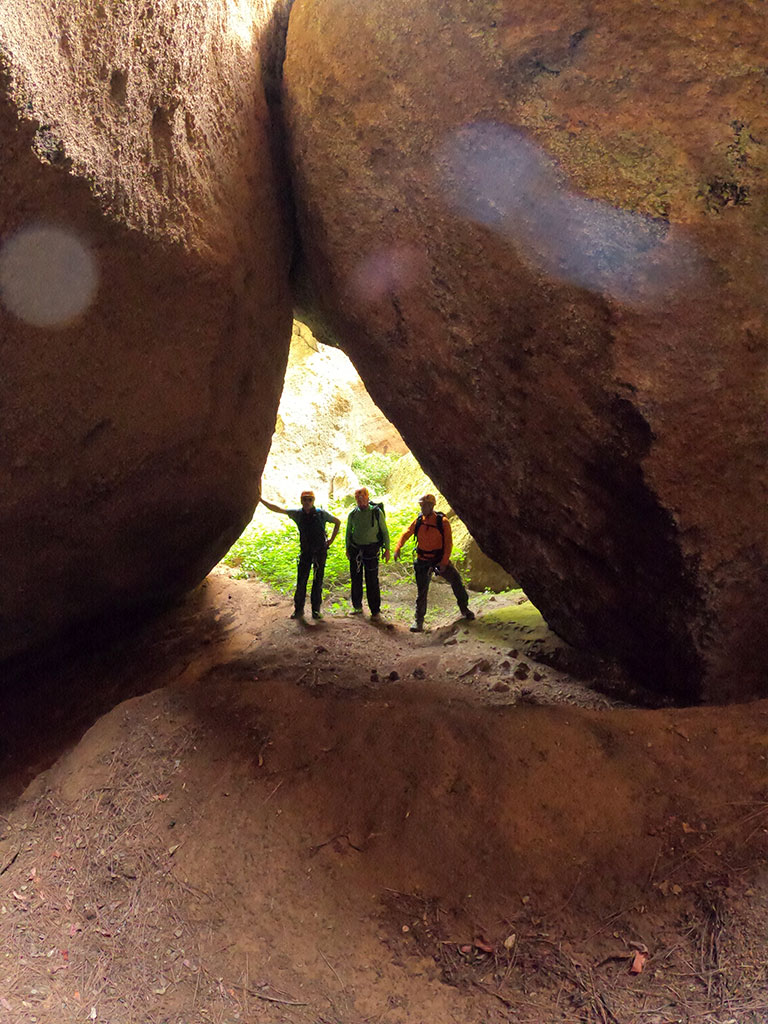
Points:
(231, 816)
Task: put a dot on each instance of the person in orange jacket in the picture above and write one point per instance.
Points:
(434, 543)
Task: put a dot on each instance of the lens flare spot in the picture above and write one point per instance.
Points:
(391, 270)
(48, 276)
(495, 175)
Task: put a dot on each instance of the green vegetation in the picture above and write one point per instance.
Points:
(373, 470)
(512, 622)
(271, 552)
(269, 548)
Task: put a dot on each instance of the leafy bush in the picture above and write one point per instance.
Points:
(269, 553)
(372, 469)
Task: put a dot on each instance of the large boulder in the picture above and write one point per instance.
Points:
(407, 482)
(540, 230)
(144, 308)
(478, 571)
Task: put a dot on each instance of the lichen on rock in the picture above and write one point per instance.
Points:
(539, 230)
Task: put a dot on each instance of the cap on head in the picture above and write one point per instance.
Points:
(308, 494)
(428, 497)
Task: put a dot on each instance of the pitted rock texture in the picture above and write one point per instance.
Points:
(137, 167)
(540, 230)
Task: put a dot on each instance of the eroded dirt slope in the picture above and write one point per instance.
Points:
(274, 835)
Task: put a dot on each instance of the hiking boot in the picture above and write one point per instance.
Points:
(297, 614)
(376, 616)
(468, 614)
(356, 611)
(417, 626)
(317, 615)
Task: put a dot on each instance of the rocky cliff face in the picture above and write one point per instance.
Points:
(541, 233)
(144, 309)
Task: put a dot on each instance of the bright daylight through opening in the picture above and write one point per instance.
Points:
(331, 438)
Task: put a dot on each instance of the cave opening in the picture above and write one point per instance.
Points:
(332, 438)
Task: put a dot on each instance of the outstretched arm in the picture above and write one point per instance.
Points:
(405, 535)
(274, 508)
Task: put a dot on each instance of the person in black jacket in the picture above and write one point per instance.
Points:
(313, 550)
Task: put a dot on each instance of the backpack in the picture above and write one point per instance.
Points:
(378, 507)
(436, 555)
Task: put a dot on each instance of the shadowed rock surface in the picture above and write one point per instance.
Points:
(541, 233)
(144, 314)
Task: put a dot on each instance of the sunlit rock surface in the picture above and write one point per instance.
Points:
(541, 232)
(326, 419)
(144, 315)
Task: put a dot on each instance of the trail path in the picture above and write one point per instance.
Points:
(256, 819)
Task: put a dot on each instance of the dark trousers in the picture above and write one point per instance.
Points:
(307, 559)
(449, 572)
(365, 560)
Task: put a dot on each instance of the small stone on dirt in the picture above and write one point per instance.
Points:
(522, 670)
(500, 687)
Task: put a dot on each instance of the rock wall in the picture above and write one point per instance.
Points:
(407, 483)
(541, 233)
(144, 307)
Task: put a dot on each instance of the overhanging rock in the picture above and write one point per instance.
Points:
(541, 233)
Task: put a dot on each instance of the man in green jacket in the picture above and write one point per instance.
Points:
(366, 534)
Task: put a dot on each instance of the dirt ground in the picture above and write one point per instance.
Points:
(223, 815)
